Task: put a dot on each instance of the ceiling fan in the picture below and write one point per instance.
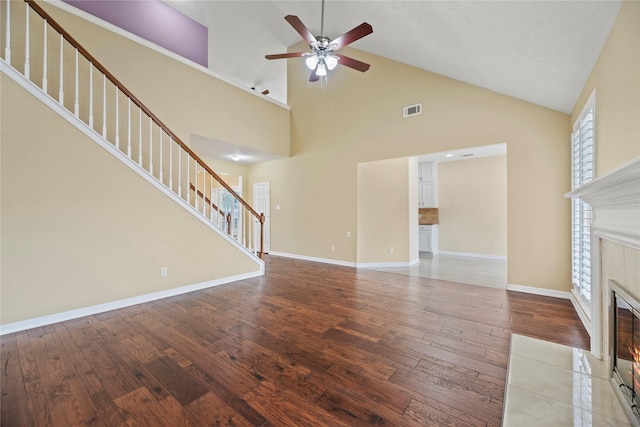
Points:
(323, 54)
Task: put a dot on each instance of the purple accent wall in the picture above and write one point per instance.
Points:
(155, 21)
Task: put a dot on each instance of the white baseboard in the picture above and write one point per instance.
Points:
(539, 291)
(10, 328)
(383, 264)
(314, 259)
(346, 263)
(473, 255)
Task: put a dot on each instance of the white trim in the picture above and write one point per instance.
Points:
(146, 43)
(114, 305)
(582, 313)
(314, 259)
(473, 255)
(97, 138)
(539, 291)
(414, 262)
(591, 102)
(383, 264)
(615, 198)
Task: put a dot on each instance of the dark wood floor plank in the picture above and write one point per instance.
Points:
(210, 410)
(306, 344)
(68, 401)
(13, 403)
(140, 408)
(182, 385)
(438, 414)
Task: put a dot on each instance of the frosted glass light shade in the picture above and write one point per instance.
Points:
(312, 62)
(331, 62)
(321, 70)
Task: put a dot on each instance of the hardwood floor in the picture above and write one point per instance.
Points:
(307, 344)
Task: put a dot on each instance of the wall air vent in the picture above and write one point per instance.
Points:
(411, 110)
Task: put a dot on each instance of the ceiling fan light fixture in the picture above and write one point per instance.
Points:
(235, 157)
(331, 62)
(321, 70)
(312, 61)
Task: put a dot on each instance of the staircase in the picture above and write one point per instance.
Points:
(39, 54)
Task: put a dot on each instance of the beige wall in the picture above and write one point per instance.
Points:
(616, 81)
(384, 201)
(473, 206)
(188, 100)
(79, 228)
(357, 117)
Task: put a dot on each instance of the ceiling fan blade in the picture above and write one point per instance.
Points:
(313, 77)
(286, 55)
(297, 24)
(352, 63)
(357, 33)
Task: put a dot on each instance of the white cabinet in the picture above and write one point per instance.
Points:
(427, 185)
(428, 239)
(427, 195)
(426, 171)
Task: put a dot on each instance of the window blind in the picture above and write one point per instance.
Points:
(582, 172)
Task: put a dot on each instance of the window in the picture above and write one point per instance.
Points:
(582, 172)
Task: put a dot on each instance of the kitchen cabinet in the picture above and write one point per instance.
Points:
(426, 171)
(427, 185)
(428, 239)
(426, 195)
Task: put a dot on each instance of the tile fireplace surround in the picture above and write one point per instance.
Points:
(615, 249)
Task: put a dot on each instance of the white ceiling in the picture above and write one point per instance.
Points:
(535, 50)
(539, 51)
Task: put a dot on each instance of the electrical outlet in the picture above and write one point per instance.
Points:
(333, 248)
(163, 271)
(348, 234)
(390, 250)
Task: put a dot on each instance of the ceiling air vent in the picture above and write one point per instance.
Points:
(411, 110)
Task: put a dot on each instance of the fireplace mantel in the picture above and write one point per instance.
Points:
(615, 198)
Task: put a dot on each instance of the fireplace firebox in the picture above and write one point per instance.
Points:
(626, 348)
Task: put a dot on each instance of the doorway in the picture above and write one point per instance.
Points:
(261, 205)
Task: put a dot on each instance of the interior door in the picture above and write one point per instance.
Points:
(261, 205)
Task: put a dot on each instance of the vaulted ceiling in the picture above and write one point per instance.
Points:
(538, 51)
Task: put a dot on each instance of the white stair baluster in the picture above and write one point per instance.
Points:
(140, 136)
(117, 142)
(128, 127)
(160, 155)
(7, 47)
(171, 162)
(76, 105)
(91, 95)
(44, 59)
(27, 67)
(104, 106)
(188, 180)
(196, 179)
(179, 171)
(61, 91)
(151, 146)
(211, 211)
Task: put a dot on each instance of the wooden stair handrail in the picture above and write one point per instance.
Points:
(52, 22)
(206, 199)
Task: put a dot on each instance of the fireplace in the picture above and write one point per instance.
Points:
(611, 317)
(626, 348)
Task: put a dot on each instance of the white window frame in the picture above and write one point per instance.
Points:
(583, 159)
